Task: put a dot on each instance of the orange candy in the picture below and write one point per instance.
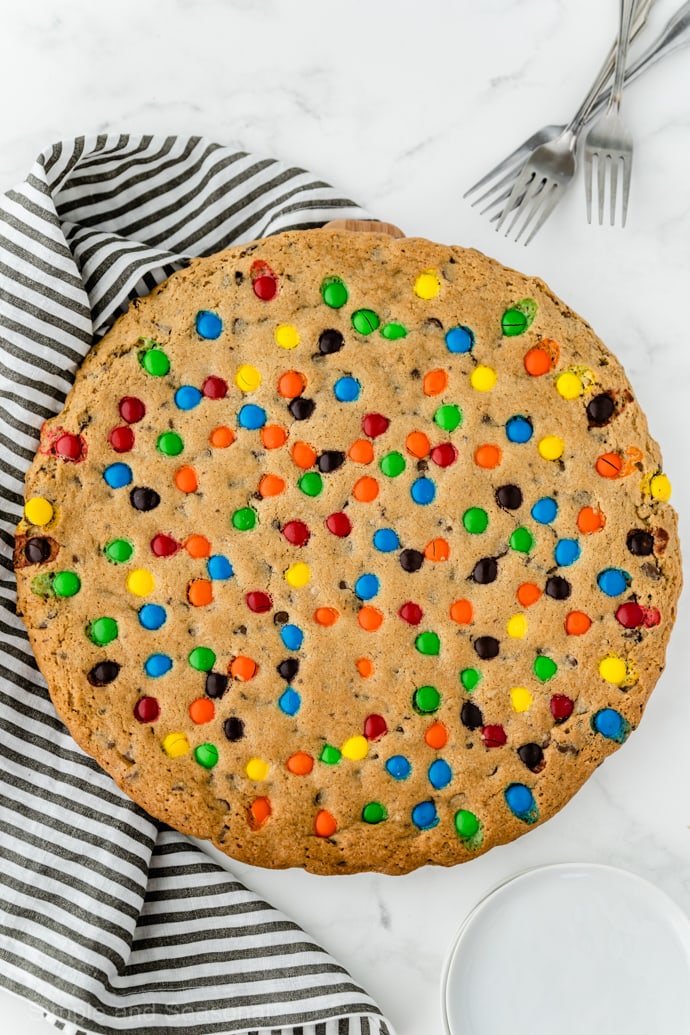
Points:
(437, 550)
(436, 736)
(435, 382)
(370, 618)
(186, 479)
(258, 812)
(577, 623)
(417, 444)
(542, 358)
(488, 457)
(326, 616)
(202, 710)
(304, 455)
(609, 465)
(361, 451)
(271, 485)
(366, 490)
(300, 763)
(324, 824)
(528, 593)
(243, 668)
(221, 437)
(273, 436)
(198, 546)
(365, 667)
(590, 520)
(200, 593)
(291, 384)
(462, 612)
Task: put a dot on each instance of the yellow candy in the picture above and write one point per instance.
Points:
(521, 699)
(569, 385)
(298, 575)
(287, 336)
(140, 582)
(175, 745)
(38, 511)
(257, 769)
(427, 285)
(613, 669)
(483, 378)
(551, 447)
(248, 378)
(660, 487)
(517, 627)
(355, 748)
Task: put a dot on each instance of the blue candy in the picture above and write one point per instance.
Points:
(346, 389)
(545, 510)
(613, 581)
(208, 325)
(423, 491)
(521, 803)
(398, 767)
(157, 665)
(386, 540)
(367, 586)
(292, 636)
(519, 429)
(424, 815)
(251, 416)
(219, 568)
(460, 339)
(440, 774)
(290, 701)
(152, 616)
(610, 724)
(187, 397)
(566, 552)
(118, 475)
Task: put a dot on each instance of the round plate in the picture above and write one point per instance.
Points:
(574, 948)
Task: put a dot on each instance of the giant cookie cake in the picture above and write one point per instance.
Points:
(349, 553)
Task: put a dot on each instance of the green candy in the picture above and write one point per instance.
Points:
(202, 659)
(374, 812)
(448, 417)
(522, 540)
(119, 551)
(66, 584)
(170, 443)
(393, 331)
(334, 292)
(102, 631)
(428, 643)
(392, 464)
(426, 699)
(466, 824)
(365, 321)
(311, 483)
(330, 755)
(206, 755)
(152, 358)
(544, 668)
(519, 317)
(475, 520)
(469, 677)
(244, 519)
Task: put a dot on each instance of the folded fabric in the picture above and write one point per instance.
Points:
(110, 921)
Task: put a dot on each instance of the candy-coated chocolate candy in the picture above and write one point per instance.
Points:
(613, 581)
(521, 803)
(385, 540)
(440, 774)
(233, 729)
(121, 439)
(374, 424)
(37, 550)
(398, 767)
(561, 707)
(411, 613)
(214, 387)
(296, 533)
(334, 292)
(208, 325)
(131, 409)
(330, 341)
(289, 701)
(144, 498)
(411, 560)
(459, 339)
(147, 709)
(103, 673)
(375, 727)
(424, 815)
(70, 447)
(339, 524)
(39, 511)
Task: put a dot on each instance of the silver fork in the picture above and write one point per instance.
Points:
(609, 141)
(503, 175)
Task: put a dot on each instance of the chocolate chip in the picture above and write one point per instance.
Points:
(37, 550)
(600, 409)
(471, 716)
(280, 617)
(509, 497)
(233, 729)
(103, 673)
(331, 460)
(411, 560)
(301, 408)
(558, 588)
(330, 341)
(216, 684)
(288, 669)
(144, 499)
(485, 571)
(486, 647)
(639, 542)
(532, 756)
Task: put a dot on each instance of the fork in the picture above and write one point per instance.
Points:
(609, 140)
(505, 172)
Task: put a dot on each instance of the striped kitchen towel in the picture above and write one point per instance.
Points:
(111, 922)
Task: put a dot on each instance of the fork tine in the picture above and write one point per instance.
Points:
(613, 186)
(520, 187)
(514, 159)
(589, 172)
(525, 207)
(627, 170)
(550, 202)
(505, 181)
(602, 161)
(517, 203)
(539, 198)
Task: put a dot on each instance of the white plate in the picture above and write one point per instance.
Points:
(572, 949)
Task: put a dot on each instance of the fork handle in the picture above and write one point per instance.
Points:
(627, 9)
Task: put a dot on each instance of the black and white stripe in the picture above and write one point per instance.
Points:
(109, 921)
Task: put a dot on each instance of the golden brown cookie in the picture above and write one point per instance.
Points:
(349, 553)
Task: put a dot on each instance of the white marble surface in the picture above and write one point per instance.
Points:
(403, 104)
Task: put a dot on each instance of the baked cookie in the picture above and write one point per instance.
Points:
(349, 553)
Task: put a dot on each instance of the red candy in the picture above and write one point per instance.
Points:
(494, 736)
(70, 447)
(121, 439)
(630, 615)
(214, 388)
(147, 709)
(164, 545)
(561, 707)
(444, 454)
(132, 410)
(374, 424)
(296, 533)
(375, 727)
(411, 613)
(264, 280)
(259, 602)
(339, 524)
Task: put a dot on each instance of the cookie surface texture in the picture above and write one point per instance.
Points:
(349, 553)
